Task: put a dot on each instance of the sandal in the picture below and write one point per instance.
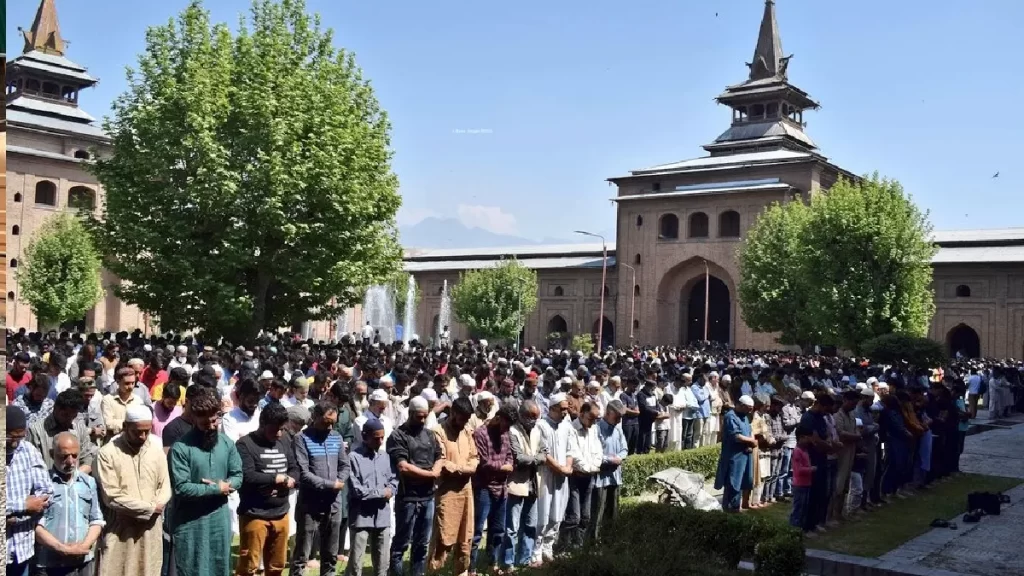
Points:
(939, 523)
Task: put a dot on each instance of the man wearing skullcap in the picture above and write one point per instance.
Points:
(553, 494)
(415, 454)
(28, 492)
(735, 465)
(135, 487)
(453, 522)
(373, 485)
(378, 404)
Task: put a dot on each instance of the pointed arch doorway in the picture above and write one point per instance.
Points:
(719, 311)
(965, 340)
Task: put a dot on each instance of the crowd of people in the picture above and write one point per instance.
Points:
(133, 455)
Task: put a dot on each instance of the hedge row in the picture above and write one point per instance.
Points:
(639, 467)
(660, 540)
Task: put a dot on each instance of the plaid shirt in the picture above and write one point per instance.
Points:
(26, 476)
(778, 432)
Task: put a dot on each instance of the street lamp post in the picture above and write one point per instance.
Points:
(604, 275)
(707, 292)
(632, 300)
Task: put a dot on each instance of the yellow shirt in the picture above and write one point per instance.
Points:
(158, 393)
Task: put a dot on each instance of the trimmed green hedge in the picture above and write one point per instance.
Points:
(638, 467)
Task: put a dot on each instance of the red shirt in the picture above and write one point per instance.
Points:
(152, 378)
(801, 468)
(14, 383)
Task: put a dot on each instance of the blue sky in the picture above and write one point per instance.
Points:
(510, 115)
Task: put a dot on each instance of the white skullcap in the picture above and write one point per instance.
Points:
(616, 379)
(267, 375)
(386, 379)
(713, 374)
(883, 386)
(466, 381)
(138, 413)
(419, 404)
(872, 381)
(147, 348)
(378, 395)
(429, 395)
(861, 386)
(485, 395)
(593, 384)
(182, 350)
(726, 379)
(747, 401)
(566, 380)
(557, 398)
(808, 395)
(136, 361)
(860, 422)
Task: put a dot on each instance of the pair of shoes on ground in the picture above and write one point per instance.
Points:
(940, 523)
(974, 516)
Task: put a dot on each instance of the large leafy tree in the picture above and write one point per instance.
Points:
(852, 265)
(495, 302)
(250, 184)
(60, 273)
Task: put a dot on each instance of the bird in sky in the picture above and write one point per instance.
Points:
(996, 175)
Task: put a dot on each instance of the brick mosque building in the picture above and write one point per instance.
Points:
(678, 224)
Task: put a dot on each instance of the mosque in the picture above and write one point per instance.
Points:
(669, 278)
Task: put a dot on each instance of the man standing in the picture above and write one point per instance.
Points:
(115, 406)
(28, 493)
(631, 415)
(735, 465)
(587, 456)
(135, 488)
(268, 474)
(64, 419)
(416, 456)
(372, 485)
(453, 523)
(323, 473)
(490, 490)
(521, 509)
(553, 494)
(36, 402)
(205, 468)
(846, 428)
(647, 403)
(72, 523)
(605, 501)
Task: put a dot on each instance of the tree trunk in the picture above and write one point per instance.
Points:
(259, 309)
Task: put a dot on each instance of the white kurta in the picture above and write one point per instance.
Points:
(553, 492)
(234, 425)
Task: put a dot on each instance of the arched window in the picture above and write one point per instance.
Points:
(698, 225)
(10, 296)
(636, 260)
(636, 290)
(32, 85)
(963, 291)
(668, 227)
(559, 291)
(639, 220)
(15, 230)
(729, 224)
(46, 193)
(81, 198)
(51, 89)
(17, 196)
(607, 290)
(82, 154)
(14, 263)
(636, 324)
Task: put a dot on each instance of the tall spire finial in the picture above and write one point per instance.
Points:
(45, 33)
(768, 61)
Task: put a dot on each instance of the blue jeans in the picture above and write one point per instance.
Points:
(490, 509)
(19, 568)
(413, 524)
(520, 531)
(784, 487)
(801, 499)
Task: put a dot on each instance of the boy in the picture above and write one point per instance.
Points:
(802, 472)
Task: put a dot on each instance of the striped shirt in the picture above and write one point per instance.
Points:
(26, 476)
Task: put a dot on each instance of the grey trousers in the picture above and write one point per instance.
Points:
(379, 540)
(310, 527)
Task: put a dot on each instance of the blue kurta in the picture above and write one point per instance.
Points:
(735, 466)
(202, 519)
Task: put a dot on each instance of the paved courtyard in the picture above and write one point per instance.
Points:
(991, 547)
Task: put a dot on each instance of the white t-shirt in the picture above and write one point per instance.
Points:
(367, 331)
(237, 423)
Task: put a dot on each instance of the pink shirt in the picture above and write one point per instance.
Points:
(801, 468)
(161, 417)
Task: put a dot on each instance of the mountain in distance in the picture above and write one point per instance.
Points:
(451, 233)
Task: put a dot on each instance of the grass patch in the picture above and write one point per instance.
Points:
(875, 533)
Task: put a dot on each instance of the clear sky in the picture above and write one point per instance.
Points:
(511, 115)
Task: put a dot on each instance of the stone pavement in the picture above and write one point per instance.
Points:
(990, 547)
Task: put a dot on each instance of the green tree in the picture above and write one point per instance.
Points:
(250, 184)
(868, 263)
(582, 343)
(495, 302)
(771, 290)
(852, 265)
(400, 285)
(60, 273)
(895, 349)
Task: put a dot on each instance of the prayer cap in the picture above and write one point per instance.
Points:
(429, 395)
(466, 381)
(138, 413)
(372, 425)
(883, 386)
(267, 375)
(558, 398)
(867, 393)
(378, 395)
(485, 395)
(419, 404)
(807, 395)
(16, 419)
(747, 401)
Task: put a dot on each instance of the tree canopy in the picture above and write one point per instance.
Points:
(60, 272)
(852, 265)
(495, 302)
(250, 184)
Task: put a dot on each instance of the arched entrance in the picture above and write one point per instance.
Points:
(607, 333)
(963, 339)
(557, 332)
(718, 311)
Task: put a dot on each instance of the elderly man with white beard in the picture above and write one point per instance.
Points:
(553, 494)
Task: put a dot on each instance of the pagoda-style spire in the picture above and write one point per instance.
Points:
(768, 61)
(45, 33)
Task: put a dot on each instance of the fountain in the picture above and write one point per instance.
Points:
(409, 320)
(342, 328)
(445, 316)
(379, 311)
